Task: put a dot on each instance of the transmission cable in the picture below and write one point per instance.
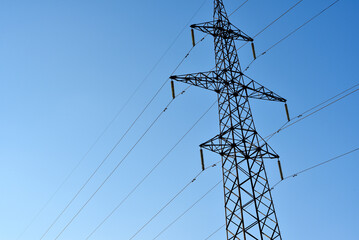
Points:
(287, 126)
(275, 184)
(330, 160)
(109, 124)
(105, 159)
(172, 199)
(259, 34)
(217, 230)
(266, 27)
(146, 108)
(315, 166)
(188, 209)
(158, 91)
(149, 173)
(291, 33)
(150, 102)
(117, 166)
(294, 175)
(274, 21)
(308, 112)
(238, 8)
(119, 141)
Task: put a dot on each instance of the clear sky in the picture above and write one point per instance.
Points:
(67, 67)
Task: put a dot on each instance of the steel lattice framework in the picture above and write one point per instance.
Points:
(249, 208)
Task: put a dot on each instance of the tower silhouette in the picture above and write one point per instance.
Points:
(249, 208)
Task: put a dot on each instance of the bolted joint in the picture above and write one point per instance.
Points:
(173, 77)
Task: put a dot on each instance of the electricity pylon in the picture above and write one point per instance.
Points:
(249, 208)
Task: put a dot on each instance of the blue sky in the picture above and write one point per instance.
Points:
(67, 67)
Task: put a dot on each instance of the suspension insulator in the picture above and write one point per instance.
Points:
(280, 170)
(287, 111)
(173, 90)
(193, 39)
(202, 160)
(254, 51)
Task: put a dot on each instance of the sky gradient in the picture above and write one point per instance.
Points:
(68, 67)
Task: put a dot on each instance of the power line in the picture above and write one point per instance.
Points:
(117, 166)
(320, 109)
(133, 123)
(186, 185)
(149, 173)
(117, 143)
(158, 91)
(270, 25)
(237, 141)
(246, 1)
(176, 220)
(217, 230)
(100, 165)
(303, 116)
(110, 123)
(150, 101)
(273, 186)
(238, 8)
(274, 21)
(291, 33)
(325, 162)
(188, 209)
(315, 166)
(196, 202)
(170, 201)
(294, 175)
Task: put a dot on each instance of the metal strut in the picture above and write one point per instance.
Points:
(250, 213)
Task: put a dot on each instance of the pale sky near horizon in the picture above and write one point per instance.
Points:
(67, 67)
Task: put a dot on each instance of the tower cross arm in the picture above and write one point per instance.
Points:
(258, 91)
(223, 29)
(206, 80)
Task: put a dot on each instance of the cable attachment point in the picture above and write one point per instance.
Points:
(280, 170)
(193, 39)
(253, 51)
(287, 111)
(202, 159)
(173, 90)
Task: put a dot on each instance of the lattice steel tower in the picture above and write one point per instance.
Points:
(249, 208)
